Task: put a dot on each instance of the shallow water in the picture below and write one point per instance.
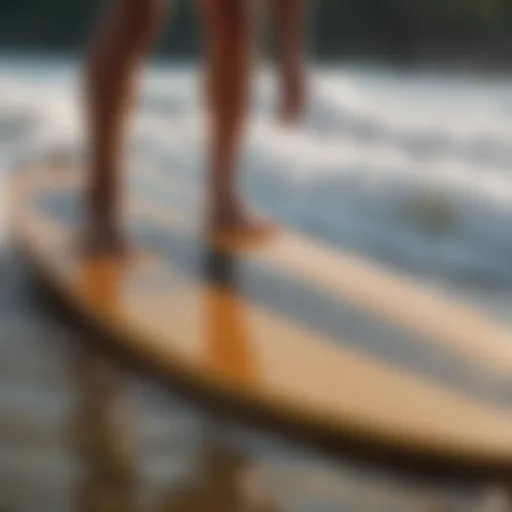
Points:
(409, 170)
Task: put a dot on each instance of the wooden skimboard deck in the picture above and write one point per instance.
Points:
(315, 337)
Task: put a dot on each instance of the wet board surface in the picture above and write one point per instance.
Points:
(296, 330)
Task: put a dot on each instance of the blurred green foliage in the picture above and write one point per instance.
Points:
(398, 29)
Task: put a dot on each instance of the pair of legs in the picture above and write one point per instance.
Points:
(112, 82)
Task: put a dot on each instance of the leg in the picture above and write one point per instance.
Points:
(111, 85)
(289, 17)
(229, 48)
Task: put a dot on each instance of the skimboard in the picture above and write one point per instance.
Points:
(299, 332)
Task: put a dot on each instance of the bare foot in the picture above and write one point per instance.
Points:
(236, 222)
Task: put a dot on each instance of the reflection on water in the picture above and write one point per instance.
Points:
(104, 436)
(222, 478)
(78, 432)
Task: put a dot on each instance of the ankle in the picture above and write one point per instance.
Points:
(224, 200)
